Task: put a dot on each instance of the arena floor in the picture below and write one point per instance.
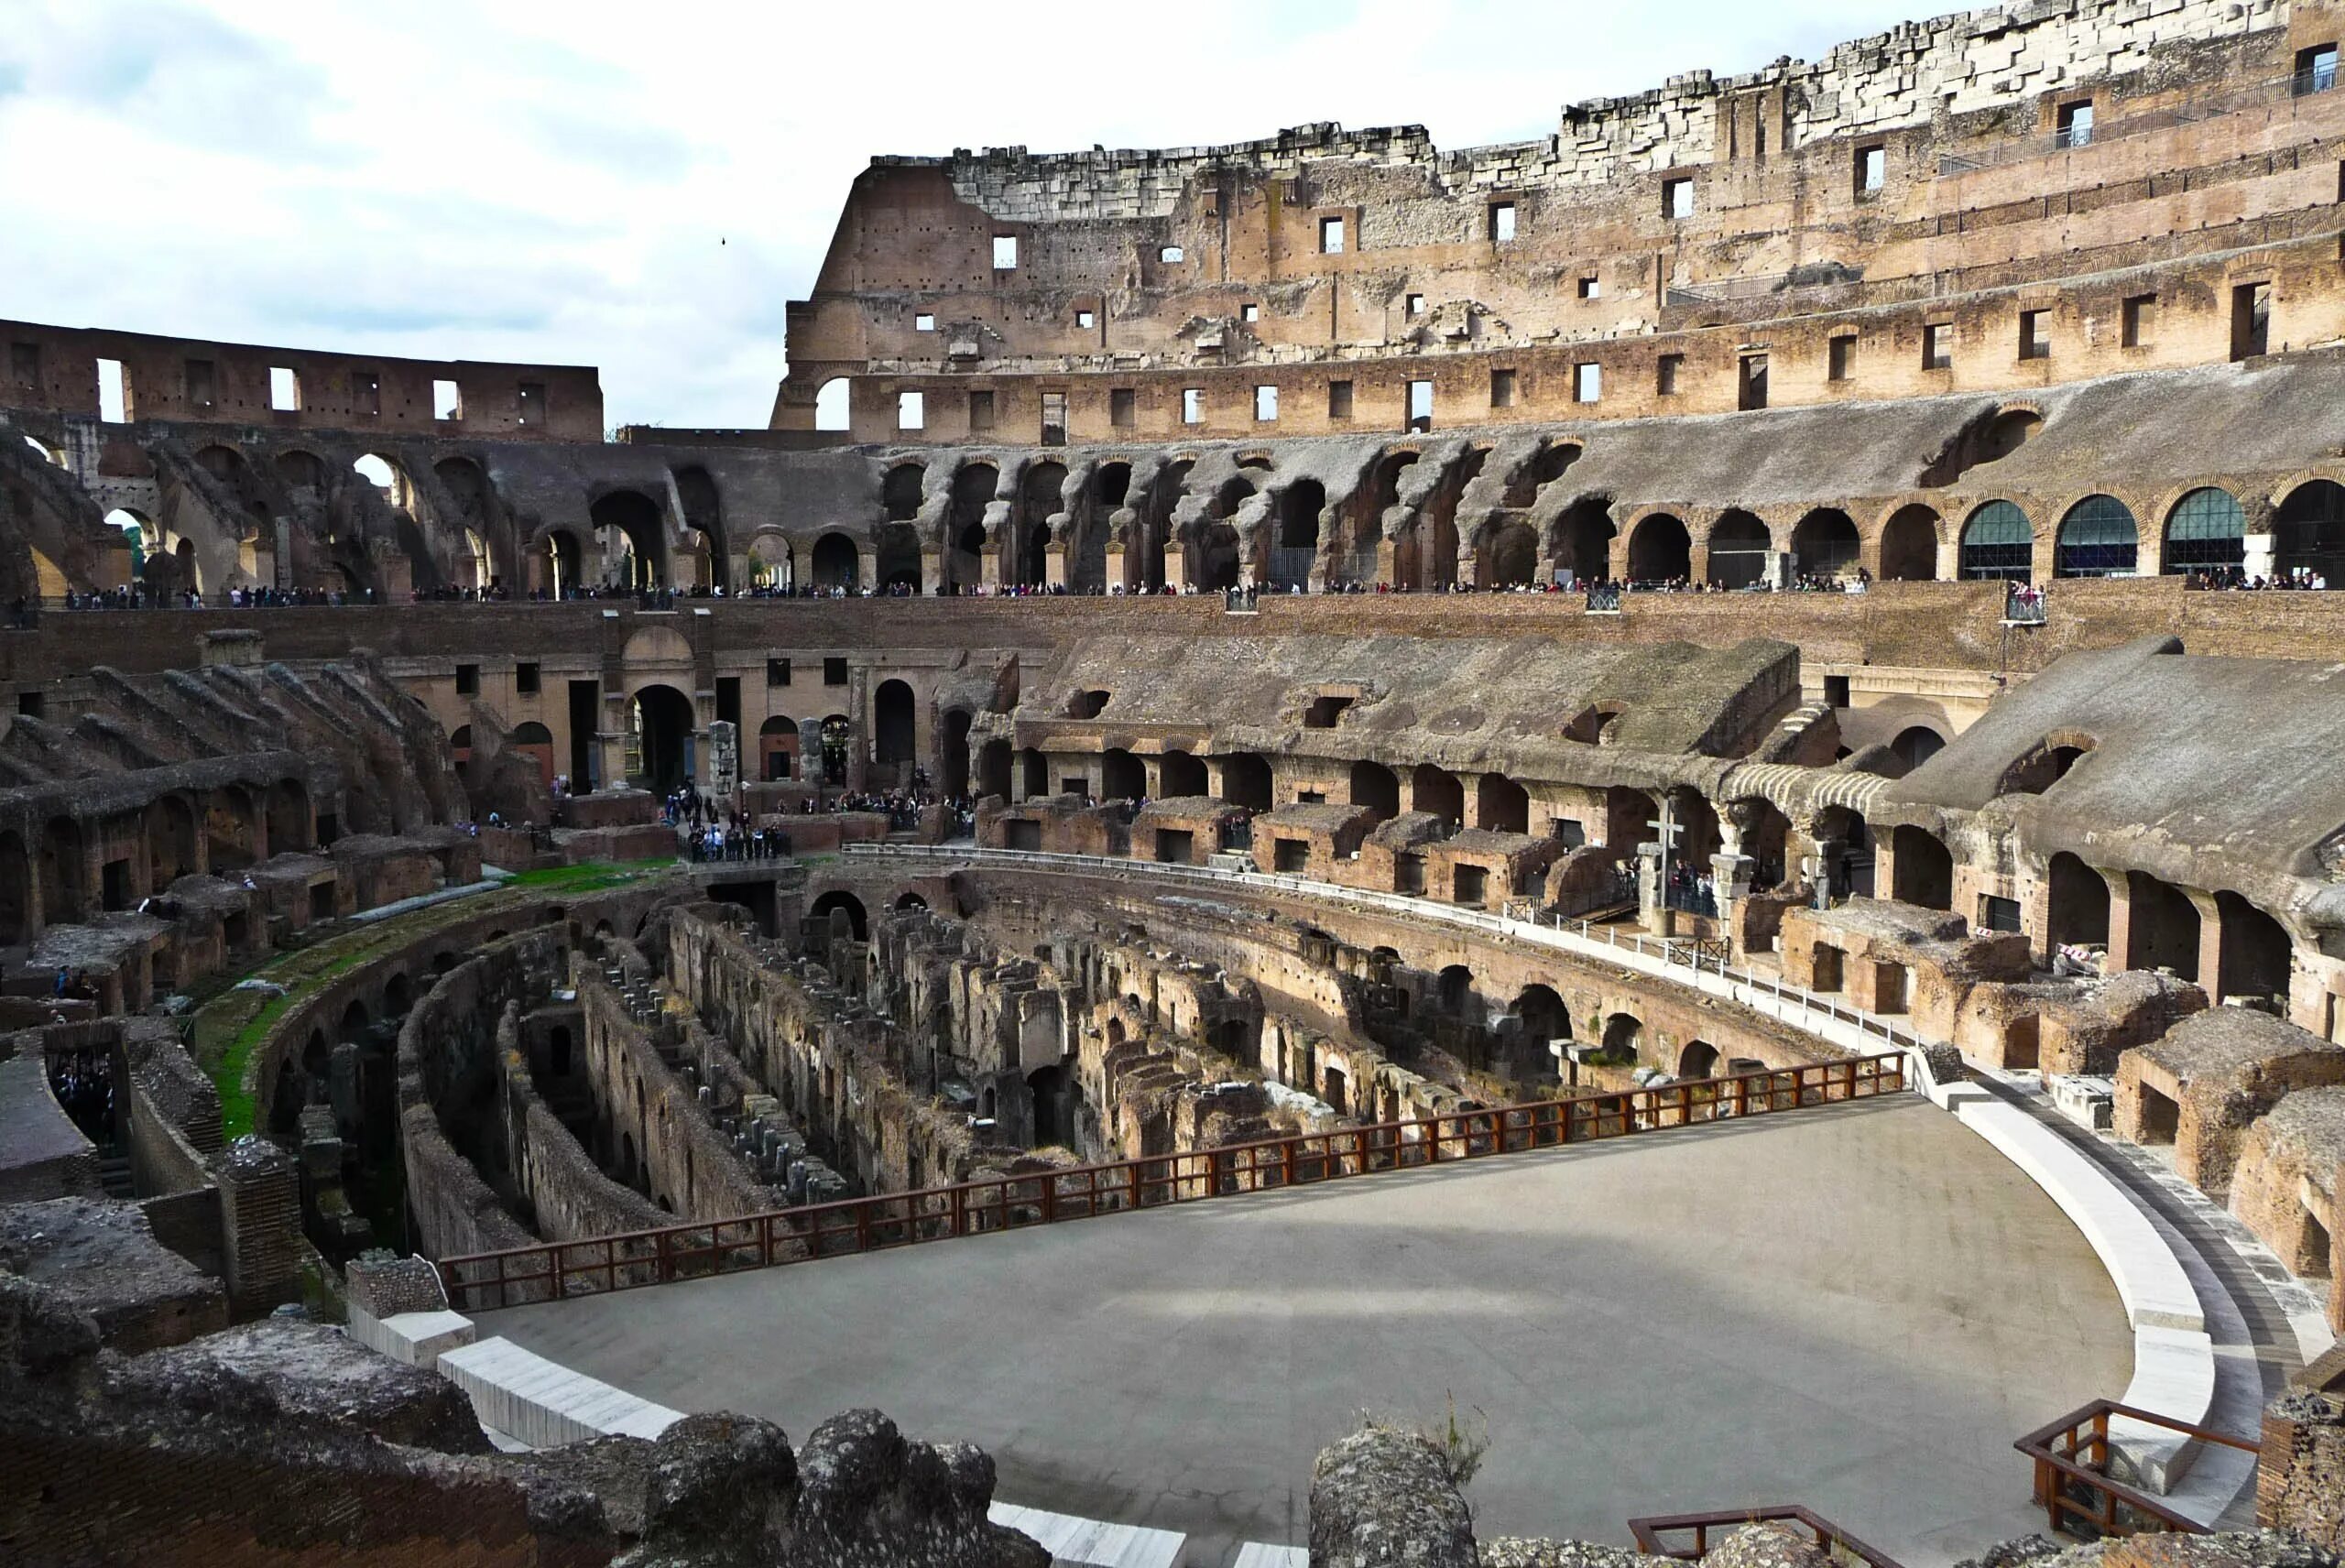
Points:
(1858, 1309)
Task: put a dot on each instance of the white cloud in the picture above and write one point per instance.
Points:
(642, 187)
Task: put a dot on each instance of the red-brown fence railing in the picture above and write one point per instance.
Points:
(553, 1271)
(2072, 1480)
(1828, 1535)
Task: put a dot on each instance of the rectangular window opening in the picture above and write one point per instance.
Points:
(2250, 321)
(1054, 418)
(1122, 405)
(284, 390)
(1192, 405)
(1677, 198)
(1005, 253)
(1752, 382)
(1420, 405)
(1086, 320)
(1339, 400)
(1172, 253)
(468, 680)
(777, 672)
(923, 322)
(525, 680)
(1841, 358)
(1266, 405)
(1415, 304)
(1502, 223)
(2073, 125)
(1937, 346)
(447, 402)
(1331, 236)
(2316, 70)
(2140, 320)
(912, 410)
(114, 393)
(199, 384)
(24, 365)
(1591, 288)
(1872, 170)
(835, 671)
(1667, 371)
(1501, 389)
(1250, 313)
(1587, 383)
(2035, 334)
(366, 394)
(532, 401)
(981, 411)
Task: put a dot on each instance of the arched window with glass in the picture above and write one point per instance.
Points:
(2206, 532)
(1998, 543)
(2099, 537)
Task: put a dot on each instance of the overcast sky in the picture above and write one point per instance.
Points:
(642, 186)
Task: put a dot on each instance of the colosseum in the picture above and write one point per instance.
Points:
(1782, 626)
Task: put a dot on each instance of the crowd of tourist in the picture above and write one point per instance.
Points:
(2296, 579)
(82, 1082)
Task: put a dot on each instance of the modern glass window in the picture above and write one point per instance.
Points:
(1998, 542)
(2207, 529)
(2098, 538)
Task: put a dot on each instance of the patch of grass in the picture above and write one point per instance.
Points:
(224, 1032)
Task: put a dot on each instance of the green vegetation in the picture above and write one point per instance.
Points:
(226, 1030)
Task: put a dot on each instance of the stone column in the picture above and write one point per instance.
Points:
(2210, 943)
(260, 1224)
(1732, 873)
(1653, 908)
(1823, 869)
(2120, 921)
(723, 777)
(931, 572)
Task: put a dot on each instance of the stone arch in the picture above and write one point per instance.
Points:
(893, 724)
(703, 515)
(558, 562)
(1921, 868)
(1998, 542)
(1580, 540)
(1500, 805)
(2309, 532)
(778, 749)
(1739, 545)
(638, 520)
(172, 845)
(1122, 776)
(1245, 781)
(1436, 791)
(993, 768)
(1296, 548)
(1508, 556)
(1826, 545)
(1659, 549)
(1909, 544)
(299, 470)
(663, 726)
(228, 828)
(1915, 745)
(2255, 958)
(1543, 1012)
(837, 563)
(2206, 530)
(1623, 1036)
(839, 902)
(1041, 491)
(290, 821)
(64, 880)
(1378, 787)
(1699, 1059)
(2098, 537)
(900, 490)
(952, 755)
(973, 486)
(2161, 926)
(1183, 776)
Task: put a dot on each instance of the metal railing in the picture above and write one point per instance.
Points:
(556, 1270)
(1828, 1535)
(2072, 1481)
(2277, 92)
(1703, 960)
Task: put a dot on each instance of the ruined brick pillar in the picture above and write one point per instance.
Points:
(260, 1224)
(2210, 943)
(931, 572)
(1653, 908)
(1732, 873)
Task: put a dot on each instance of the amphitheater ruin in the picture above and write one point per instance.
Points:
(1647, 823)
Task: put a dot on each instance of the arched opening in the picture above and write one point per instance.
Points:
(1544, 1017)
(2308, 533)
(911, 902)
(662, 722)
(1909, 544)
(1915, 745)
(704, 516)
(1298, 538)
(1454, 988)
(1547, 465)
(1660, 550)
(16, 890)
(399, 996)
(837, 563)
(529, 739)
(897, 558)
(1998, 542)
(635, 536)
(1583, 539)
(64, 884)
(839, 908)
(2163, 925)
(1245, 781)
(170, 841)
(384, 475)
(837, 733)
(1052, 1123)
(228, 829)
(778, 749)
(1698, 1059)
(993, 768)
(1040, 497)
(831, 411)
(899, 491)
(1510, 555)
(1500, 805)
(1122, 776)
(353, 1028)
(1739, 544)
(561, 563)
(954, 758)
(2207, 531)
(892, 725)
(2098, 538)
(1624, 1035)
(974, 487)
(1433, 790)
(1825, 546)
(2075, 904)
(2255, 957)
(1183, 776)
(1378, 787)
(1921, 869)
